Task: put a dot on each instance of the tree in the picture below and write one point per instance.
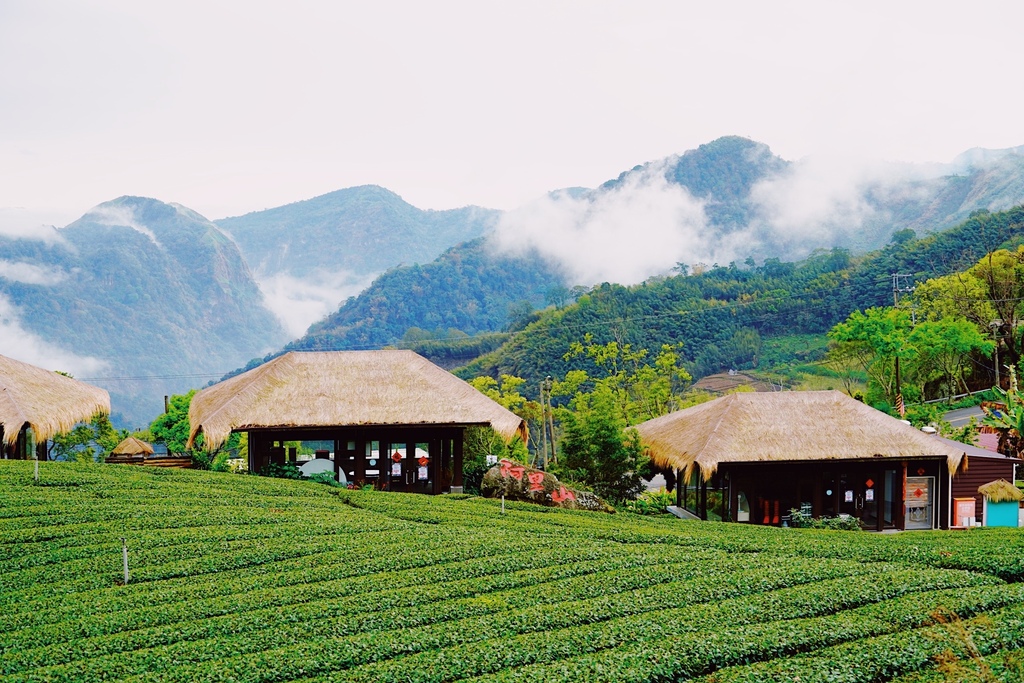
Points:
(173, 429)
(87, 441)
(991, 290)
(876, 338)
(943, 347)
(597, 450)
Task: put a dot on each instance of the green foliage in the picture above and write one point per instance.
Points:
(596, 450)
(325, 478)
(651, 503)
(172, 428)
(801, 520)
(88, 442)
(286, 471)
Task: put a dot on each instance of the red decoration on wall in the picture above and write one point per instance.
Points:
(396, 456)
(869, 483)
(423, 462)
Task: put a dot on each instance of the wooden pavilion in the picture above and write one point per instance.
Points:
(36, 404)
(751, 457)
(388, 418)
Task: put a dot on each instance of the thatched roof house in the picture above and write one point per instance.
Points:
(366, 401)
(783, 426)
(817, 450)
(44, 401)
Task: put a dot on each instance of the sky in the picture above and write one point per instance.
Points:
(232, 107)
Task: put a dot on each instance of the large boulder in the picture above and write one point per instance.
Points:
(519, 482)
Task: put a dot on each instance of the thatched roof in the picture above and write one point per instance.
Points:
(1000, 491)
(132, 446)
(344, 388)
(47, 402)
(784, 426)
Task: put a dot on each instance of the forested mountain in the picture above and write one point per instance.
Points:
(143, 289)
(783, 208)
(468, 290)
(363, 230)
(722, 316)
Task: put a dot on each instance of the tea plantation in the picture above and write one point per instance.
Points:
(239, 578)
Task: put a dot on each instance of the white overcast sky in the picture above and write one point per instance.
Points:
(230, 107)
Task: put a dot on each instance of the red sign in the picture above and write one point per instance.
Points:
(424, 461)
(396, 456)
(921, 471)
(869, 483)
(918, 493)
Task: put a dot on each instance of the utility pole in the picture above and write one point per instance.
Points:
(542, 458)
(900, 284)
(551, 420)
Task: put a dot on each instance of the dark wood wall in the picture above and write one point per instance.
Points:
(982, 470)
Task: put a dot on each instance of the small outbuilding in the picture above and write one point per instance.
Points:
(391, 419)
(36, 404)
(131, 451)
(752, 457)
(1002, 503)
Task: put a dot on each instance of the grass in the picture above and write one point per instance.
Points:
(248, 579)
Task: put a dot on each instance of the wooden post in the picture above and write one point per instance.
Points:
(124, 555)
(457, 462)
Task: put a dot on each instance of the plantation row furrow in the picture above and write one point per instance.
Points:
(959, 644)
(441, 599)
(509, 613)
(291, 575)
(668, 656)
(66, 530)
(366, 595)
(106, 573)
(247, 612)
(495, 654)
(144, 545)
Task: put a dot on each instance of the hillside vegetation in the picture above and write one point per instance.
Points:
(726, 316)
(248, 579)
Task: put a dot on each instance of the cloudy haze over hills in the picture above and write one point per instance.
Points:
(223, 112)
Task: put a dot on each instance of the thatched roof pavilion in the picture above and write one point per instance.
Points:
(355, 398)
(44, 401)
(784, 426)
(754, 456)
(132, 446)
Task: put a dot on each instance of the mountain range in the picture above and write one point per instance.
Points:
(147, 298)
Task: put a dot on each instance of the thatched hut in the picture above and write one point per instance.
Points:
(131, 451)
(36, 404)
(394, 419)
(1002, 503)
(754, 456)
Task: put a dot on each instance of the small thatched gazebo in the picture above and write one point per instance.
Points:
(36, 404)
(131, 451)
(394, 419)
(753, 456)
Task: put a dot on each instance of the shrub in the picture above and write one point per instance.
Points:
(651, 502)
(803, 520)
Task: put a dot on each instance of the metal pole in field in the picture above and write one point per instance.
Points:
(124, 554)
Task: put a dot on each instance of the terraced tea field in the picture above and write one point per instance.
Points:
(246, 579)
